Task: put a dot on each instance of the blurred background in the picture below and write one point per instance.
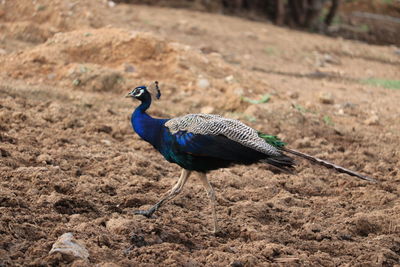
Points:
(375, 21)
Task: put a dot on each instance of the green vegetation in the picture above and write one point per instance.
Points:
(328, 120)
(265, 98)
(302, 109)
(388, 84)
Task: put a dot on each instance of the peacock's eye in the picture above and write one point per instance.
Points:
(138, 91)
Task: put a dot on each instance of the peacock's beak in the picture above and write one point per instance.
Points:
(130, 94)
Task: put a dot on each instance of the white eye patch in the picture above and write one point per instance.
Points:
(141, 91)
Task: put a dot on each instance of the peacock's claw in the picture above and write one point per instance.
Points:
(147, 213)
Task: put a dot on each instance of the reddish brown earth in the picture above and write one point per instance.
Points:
(70, 161)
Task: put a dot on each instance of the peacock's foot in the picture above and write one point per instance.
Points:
(147, 213)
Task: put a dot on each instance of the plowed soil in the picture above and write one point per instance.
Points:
(70, 161)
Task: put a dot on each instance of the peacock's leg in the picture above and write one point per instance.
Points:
(170, 195)
(211, 195)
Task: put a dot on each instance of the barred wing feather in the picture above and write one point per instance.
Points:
(214, 125)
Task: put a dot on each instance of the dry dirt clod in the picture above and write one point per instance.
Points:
(67, 245)
(44, 158)
(293, 95)
(203, 83)
(207, 110)
(326, 98)
(373, 120)
(230, 79)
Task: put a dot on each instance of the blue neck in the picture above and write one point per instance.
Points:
(148, 128)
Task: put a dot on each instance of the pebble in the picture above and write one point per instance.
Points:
(207, 110)
(203, 83)
(129, 68)
(340, 112)
(293, 95)
(373, 120)
(230, 79)
(111, 3)
(106, 142)
(66, 244)
(330, 59)
(44, 158)
(326, 98)
(64, 165)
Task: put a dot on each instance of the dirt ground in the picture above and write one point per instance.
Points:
(70, 161)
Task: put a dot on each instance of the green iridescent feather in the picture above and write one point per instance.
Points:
(272, 140)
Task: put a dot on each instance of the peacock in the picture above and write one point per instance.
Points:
(203, 142)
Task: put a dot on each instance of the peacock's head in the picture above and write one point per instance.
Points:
(142, 92)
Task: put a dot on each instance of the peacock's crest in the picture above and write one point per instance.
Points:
(154, 90)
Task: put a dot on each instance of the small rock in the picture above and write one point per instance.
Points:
(326, 98)
(373, 120)
(330, 59)
(105, 129)
(207, 110)
(69, 246)
(106, 142)
(340, 112)
(293, 95)
(3, 51)
(111, 3)
(44, 158)
(203, 83)
(129, 68)
(230, 79)
(64, 165)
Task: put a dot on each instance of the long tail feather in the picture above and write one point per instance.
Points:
(328, 164)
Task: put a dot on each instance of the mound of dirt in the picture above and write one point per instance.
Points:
(107, 59)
